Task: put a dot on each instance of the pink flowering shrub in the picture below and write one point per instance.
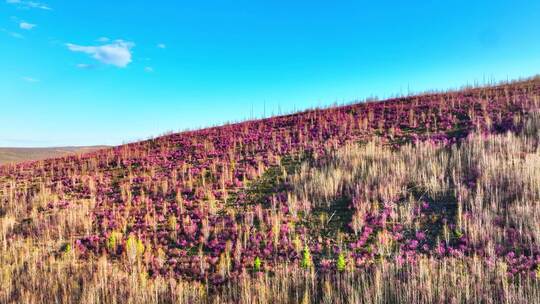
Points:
(322, 189)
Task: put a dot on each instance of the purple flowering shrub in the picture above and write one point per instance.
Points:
(475, 198)
(356, 183)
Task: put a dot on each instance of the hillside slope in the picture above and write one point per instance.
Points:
(422, 188)
(17, 155)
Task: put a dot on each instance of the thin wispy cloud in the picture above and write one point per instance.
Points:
(148, 69)
(30, 79)
(117, 53)
(29, 4)
(27, 26)
(16, 35)
(161, 46)
(84, 66)
(12, 34)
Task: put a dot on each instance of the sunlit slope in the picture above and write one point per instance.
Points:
(406, 188)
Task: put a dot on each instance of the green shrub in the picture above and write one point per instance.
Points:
(341, 263)
(112, 241)
(306, 258)
(257, 264)
(134, 248)
(66, 248)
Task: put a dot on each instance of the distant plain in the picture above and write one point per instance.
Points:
(17, 155)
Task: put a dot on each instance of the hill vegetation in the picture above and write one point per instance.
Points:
(421, 199)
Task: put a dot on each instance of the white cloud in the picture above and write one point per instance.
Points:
(161, 46)
(26, 26)
(29, 4)
(117, 53)
(149, 69)
(30, 79)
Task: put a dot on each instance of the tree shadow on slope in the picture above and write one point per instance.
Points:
(330, 220)
(437, 215)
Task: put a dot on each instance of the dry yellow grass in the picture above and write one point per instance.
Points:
(38, 262)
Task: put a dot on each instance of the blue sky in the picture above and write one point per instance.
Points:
(107, 72)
